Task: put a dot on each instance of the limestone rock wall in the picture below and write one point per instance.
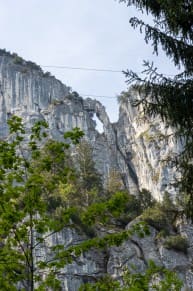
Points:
(26, 91)
(139, 251)
(85, 268)
(133, 147)
(143, 141)
(134, 254)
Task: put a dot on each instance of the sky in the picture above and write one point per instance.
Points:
(79, 33)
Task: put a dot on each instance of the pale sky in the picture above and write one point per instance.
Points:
(78, 33)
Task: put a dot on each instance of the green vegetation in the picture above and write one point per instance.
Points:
(89, 180)
(33, 66)
(161, 215)
(176, 242)
(169, 97)
(26, 213)
(114, 182)
(157, 218)
(17, 60)
(4, 52)
(118, 210)
(25, 65)
(47, 74)
(155, 277)
(42, 193)
(45, 189)
(146, 199)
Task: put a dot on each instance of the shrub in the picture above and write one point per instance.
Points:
(146, 200)
(3, 52)
(82, 227)
(162, 234)
(119, 209)
(161, 215)
(47, 74)
(33, 66)
(168, 207)
(177, 242)
(154, 278)
(156, 217)
(17, 60)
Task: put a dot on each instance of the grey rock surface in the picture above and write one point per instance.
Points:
(85, 268)
(134, 254)
(133, 147)
(28, 92)
(142, 140)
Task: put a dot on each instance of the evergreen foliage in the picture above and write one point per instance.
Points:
(161, 215)
(118, 210)
(177, 242)
(89, 180)
(39, 198)
(114, 182)
(170, 98)
(146, 199)
(154, 278)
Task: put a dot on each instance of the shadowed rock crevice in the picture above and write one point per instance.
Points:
(125, 146)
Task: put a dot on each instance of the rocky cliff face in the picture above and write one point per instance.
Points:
(143, 141)
(28, 92)
(133, 253)
(131, 146)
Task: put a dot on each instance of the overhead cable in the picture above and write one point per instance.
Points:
(84, 69)
(105, 70)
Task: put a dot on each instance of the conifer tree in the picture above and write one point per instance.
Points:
(114, 182)
(90, 181)
(170, 98)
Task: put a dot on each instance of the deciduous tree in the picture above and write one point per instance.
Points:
(27, 218)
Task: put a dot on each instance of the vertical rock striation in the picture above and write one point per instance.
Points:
(132, 146)
(143, 140)
(27, 91)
